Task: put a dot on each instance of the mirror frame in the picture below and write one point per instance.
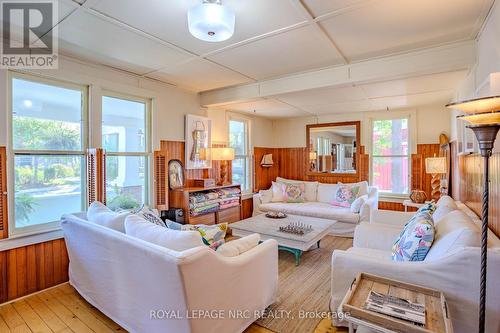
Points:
(358, 145)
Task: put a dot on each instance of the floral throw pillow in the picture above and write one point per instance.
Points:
(345, 195)
(293, 192)
(415, 240)
(212, 235)
(429, 207)
(150, 215)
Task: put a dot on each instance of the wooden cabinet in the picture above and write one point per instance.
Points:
(179, 198)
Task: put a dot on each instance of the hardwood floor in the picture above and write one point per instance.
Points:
(62, 310)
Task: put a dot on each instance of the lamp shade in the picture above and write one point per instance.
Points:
(435, 165)
(480, 111)
(210, 21)
(313, 155)
(222, 154)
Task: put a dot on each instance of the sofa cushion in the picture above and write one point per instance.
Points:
(454, 231)
(266, 195)
(136, 226)
(442, 211)
(363, 186)
(150, 215)
(446, 200)
(277, 192)
(345, 195)
(358, 203)
(293, 192)
(212, 235)
(239, 246)
(102, 215)
(313, 209)
(326, 192)
(311, 188)
(415, 240)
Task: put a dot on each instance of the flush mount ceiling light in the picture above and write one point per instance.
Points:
(211, 21)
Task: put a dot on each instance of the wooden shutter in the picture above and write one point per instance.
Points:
(96, 175)
(4, 228)
(161, 179)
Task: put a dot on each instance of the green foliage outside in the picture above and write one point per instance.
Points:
(24, 206)
(122, 201)
(36, 172)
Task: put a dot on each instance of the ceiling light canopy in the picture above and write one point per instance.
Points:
(211, 21)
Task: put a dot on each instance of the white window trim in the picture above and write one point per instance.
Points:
(239, 117)
(148, 154)
(15, 232)
(412, 147)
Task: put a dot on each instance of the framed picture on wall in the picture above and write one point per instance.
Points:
(198, 138)
(469, 141)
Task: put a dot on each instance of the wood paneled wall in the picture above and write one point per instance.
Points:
(467, 184)
(176, 150)
(4, 225)
(292, 163)
(25, 270)
(420, 180)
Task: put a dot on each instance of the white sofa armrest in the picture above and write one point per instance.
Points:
(369, 206)
(455, 274)
(391, 217)
(248, 282)
(385, 236)
(257, 201)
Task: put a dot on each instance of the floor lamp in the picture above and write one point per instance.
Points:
(483, 115)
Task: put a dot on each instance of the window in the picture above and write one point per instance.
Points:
(125, 137)
(239, 140)
(390, 155)
(49, 140)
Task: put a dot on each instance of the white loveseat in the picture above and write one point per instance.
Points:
(319, 205)
(452, 264)
(149, 288)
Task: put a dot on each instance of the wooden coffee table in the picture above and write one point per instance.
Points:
(268, 228)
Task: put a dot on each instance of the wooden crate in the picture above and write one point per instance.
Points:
(229, 215)
(436, 311)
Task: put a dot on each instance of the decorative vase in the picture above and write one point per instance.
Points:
(418, 196)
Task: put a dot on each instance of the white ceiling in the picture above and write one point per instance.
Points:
(272, 39)
(395, 94)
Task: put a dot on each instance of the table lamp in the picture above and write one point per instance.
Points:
(222, 154)
(483, 114)
(435, 166)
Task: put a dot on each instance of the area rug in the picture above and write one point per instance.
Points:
(304, 290)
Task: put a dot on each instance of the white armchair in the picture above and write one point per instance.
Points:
(452, 265)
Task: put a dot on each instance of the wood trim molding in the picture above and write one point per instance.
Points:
(358, 155)
(4, 223)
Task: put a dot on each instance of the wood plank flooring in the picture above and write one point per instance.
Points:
(63, 310)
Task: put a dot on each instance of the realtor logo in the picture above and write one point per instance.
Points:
(29, 34)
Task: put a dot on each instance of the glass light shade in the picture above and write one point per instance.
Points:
(435, 165)
(477, 105)
(211, 22)
(222, 154)
(482, 118)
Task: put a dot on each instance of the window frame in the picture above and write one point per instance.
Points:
(148, 153)
(411, 144)
(249, 148)
(15, 232)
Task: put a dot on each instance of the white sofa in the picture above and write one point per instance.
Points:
(452, 264)
(127, 278)
(320, 207)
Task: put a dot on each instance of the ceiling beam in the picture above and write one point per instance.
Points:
(450, 57)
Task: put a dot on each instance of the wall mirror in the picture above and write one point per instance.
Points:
(333, 148)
